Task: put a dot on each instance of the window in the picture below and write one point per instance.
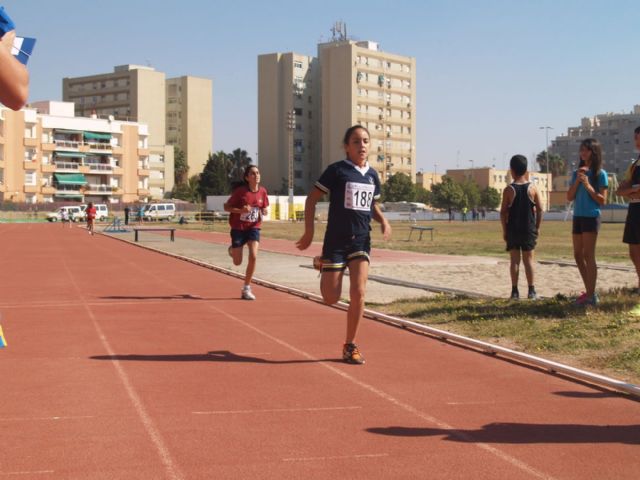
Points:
(297, 174)
(298, 112)
(297, 158)
(30, 178)
(297, 64)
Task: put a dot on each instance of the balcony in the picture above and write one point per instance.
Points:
(143, 172)
(30, 165)
(66, 167)
(99, 147)
(48, 168)
(30, 189)
(47, 190)
(30, 142)
(143, 152)
(48, 147)
(156, 182)
(67, 144)
(100, 189)
(143, 192)
(105, 168)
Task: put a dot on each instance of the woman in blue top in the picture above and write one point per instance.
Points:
(588, 191)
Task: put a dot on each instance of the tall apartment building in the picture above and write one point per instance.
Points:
(287, 83)
(360, 84)
(190, 119)
(47, 154)
(491, 177)
(347, 83)
(178, 112)
(613, 130)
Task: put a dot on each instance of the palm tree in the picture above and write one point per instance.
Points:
(557, 165)
(239, 161)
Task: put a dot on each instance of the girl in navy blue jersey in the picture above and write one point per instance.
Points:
(353, 188)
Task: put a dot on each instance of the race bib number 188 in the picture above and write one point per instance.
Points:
(358, 196)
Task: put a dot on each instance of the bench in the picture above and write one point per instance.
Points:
(155, 229)
(421, 230)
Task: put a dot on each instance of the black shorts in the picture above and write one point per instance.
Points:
(338, 252)
(585, 225)
(521, 241)
(240, 237)
(632, 225)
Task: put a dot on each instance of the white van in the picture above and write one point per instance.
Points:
(73, 214)
(159, 211)
(102, 212)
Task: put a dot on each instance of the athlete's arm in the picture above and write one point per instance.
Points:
(538, 203)
(507, 198)
(626, 189)
(309, 218)
(14, 77)
(385, 226)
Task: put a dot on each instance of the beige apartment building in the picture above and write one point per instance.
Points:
(190, 119)
(47, 154)
(348, 83)
(427, 180)
(491, 177)
(614, 131)
(178, 112)
(287, 87)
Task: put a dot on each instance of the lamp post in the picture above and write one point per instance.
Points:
(546, 152)
(291, 126)
(435, 174)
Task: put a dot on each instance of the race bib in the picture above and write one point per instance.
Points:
(358, 196)
(252, 216)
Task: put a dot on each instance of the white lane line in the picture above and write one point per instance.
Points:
(33, 419)
(36, 472)
(337, 457)
(398, 403)
(277, 410)
(170, 465)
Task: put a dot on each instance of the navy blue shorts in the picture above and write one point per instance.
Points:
(240, 237)
(585, 225)
(338, 252)
(632, 225)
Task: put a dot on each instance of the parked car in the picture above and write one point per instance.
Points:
(102, 212)
(159, 211)
(74, 214)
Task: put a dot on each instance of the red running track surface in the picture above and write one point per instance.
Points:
(126, 364)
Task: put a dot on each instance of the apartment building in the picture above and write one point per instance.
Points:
(614, 131)
(427, 180)
(349, 82)
(189, 119)
(47, 154)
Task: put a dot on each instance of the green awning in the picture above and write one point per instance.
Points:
(62, 130)
(70, 178)
(97, 136)
(68, 195)
(70, 154)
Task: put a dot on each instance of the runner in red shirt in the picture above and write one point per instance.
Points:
(247, 204)
(91, 216)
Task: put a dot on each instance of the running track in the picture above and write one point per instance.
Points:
(126, 364)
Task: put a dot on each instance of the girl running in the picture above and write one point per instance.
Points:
(353, 189)
(247, 204)
(91, 216)
(589, 190)
(630, 188)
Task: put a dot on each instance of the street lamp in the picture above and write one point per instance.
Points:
(291, 126)
(546, 152)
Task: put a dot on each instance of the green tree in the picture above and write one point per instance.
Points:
(557, 165)
(398, 188)
(239, 161)
(447, 194)
(214, 179)
(490, 198)
(471, 193)
(189, 191)
(422, 195)
(180, 166)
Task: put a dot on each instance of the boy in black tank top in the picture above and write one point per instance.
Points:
(521, 214)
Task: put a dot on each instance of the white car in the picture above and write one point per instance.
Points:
(74, 214)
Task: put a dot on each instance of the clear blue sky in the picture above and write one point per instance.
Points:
(488, 73)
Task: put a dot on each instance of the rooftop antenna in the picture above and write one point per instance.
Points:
(339, 31)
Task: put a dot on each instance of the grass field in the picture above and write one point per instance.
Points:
(476, 238)
(606, 338)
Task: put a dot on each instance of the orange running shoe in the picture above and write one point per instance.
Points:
(351, 354)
